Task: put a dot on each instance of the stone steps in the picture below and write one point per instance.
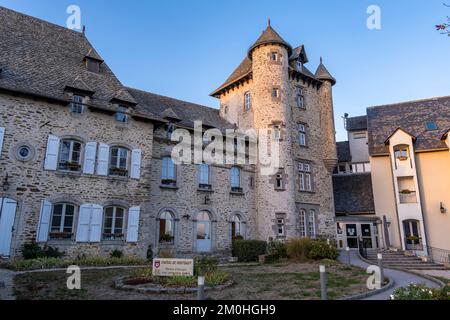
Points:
(400, 261)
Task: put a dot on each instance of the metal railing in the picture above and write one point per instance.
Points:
(438, 255)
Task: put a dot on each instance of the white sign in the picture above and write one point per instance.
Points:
(173, 267)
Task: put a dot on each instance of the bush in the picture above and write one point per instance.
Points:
(204, 265)
(276, 250)
(34, 251)
(249, 250)
(320, 249)
(299, 249)
(421, 292)
(116, 254)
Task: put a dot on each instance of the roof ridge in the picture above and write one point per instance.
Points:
(410, 101)
(163, 96)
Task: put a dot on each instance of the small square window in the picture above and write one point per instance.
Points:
(275, 93)
(121, 115)
(274, 56)
(431, 125)
(299, 65)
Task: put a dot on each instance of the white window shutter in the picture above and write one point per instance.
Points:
(136, 156)
(51, 154)
(103, 159)
(44, 221)
(2, 135)
(133, 224)
(84, 221)
(8, 215)
(95, 234)
(90, 153)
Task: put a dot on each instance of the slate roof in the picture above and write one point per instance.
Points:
(353, 194)
(244, 69)
(42, 59)
(410, 117)
(343, 151)
(187, 112)
(356, 123)
(322, 73)
(299, 52)
(269, 36)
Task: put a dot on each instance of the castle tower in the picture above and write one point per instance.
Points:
(271, 110)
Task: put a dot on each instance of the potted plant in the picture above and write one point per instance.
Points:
(164, 238)
(169, 182)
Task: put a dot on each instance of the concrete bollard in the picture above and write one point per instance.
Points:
(347, 250)
(323, 283)
(380, 265)
(201, 288)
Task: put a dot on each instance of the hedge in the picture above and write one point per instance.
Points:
(249, 250)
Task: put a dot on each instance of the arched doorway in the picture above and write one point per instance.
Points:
(203, 232)
(237, 227)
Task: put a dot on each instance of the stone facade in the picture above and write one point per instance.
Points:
(201, 219)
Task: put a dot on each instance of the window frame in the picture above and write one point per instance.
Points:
(116, 169)
(247, 101)
(276, 94)
(204, 184)
(306, 183)
(300, 98)
(401, 152)
(302, 139)
(61, 233)
(171, 234)
(312, 224)
(122, 111)
(274, 56)
(77, 107)
(168, 172)
(235, 179)
(302, 224)
(113, 235)
(281, 226)
(75, 165)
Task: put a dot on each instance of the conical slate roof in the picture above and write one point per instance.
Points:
(322, 73)
(269, 36)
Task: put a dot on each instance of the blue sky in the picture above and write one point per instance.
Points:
(185, 49)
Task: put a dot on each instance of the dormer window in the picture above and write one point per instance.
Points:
(121, 115)
(93, 65)
(299, 65)
(76, 105)
(401, 153)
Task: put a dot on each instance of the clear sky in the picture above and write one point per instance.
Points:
(185, 49)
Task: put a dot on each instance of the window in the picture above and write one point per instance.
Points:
(299, 98)
(431, 125)
(275, 93)
(113, 223)
(168, 177)
(302, 223)
(274, 56)
(312, 224)
(203, 176)
(235, 176)
(69, 155)
(305, 177)
(166, 227)
(62, 221)
(169, 131)
(24, 153)
(121, 115)
(407, 190)
(299, 65)
(279, 181)
(237, 228)
(76, 105)
(276, 132)
(93, 65)
(280, 228)
(302, 135)
(225, 110)
(247, 101)
(118, 163)
(401, 153)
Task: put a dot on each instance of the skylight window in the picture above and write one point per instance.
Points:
(431, 125)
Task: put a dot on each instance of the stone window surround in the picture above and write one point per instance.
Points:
(14, 152)
(279, 54)
(163, 155)
(281, 125)
(303, 107)
(280, 93)
(86, 101)
(305, 132)
(243, 220)
(279, 216)
(307, 207)
(247, 94)
(213, 219)
(176, 227)
(311, 172)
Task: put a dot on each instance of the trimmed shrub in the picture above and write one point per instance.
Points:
(421, 292)
(116, 254)
(204, 265)
(320, 249)
(299, 249)
(249, 250)
(34, 251)
(276, 250)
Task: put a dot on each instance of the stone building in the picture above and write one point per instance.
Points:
(85, 162)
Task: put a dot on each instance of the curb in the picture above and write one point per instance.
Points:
(81, 268)
(119, 285)
(361, 296)
(425, 276)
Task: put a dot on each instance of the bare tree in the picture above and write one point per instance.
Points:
(444, 28)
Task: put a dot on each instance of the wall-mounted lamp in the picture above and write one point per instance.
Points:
(5, 185)
(443, 209)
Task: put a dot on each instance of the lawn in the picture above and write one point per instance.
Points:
(279, 281)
